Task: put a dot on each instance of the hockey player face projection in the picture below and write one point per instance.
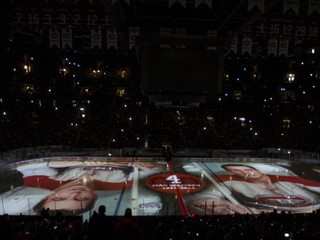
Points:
(77, 196)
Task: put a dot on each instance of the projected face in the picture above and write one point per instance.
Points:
(244, 171)
(71, 196)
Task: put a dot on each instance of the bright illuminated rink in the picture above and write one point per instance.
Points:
(154, 187)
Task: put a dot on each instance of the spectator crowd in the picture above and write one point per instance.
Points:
(92, 99)
(276, 226)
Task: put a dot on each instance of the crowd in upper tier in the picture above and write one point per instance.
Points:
(92, 99)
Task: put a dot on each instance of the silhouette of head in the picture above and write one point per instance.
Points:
(102, 209)
(128, 212)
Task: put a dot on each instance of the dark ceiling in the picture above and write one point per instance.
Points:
(226, 15)
(223, 16)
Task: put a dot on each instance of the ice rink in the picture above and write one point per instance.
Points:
(182, 186)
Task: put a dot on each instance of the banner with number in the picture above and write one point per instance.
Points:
(273, 47)
(66, 37)
(247, 45)
(96, 38)
(283, 47)
(134, 31)
(112, 38)
(234, 45)
(54, 38)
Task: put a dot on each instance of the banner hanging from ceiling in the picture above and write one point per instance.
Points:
(96, 38)
(292, 5)
(259, 4)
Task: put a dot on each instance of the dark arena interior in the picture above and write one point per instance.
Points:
(190, 119)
